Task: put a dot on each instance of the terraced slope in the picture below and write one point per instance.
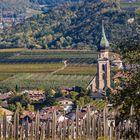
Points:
(31, 69)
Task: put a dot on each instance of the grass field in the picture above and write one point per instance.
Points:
(46, 69)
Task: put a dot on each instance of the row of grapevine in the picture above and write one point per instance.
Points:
(93, 127)
(47, 60)
(23, 57)
(45, 81)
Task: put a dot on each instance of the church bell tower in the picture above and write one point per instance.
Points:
(103, 66)
(101, 81)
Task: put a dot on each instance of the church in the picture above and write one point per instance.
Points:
(101, 81)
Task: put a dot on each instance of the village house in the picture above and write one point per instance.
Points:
(98, 95)
(117, 63)
(65, 91)
(118, 76)
(27, 116)
(91, 108)
(4, 104)
(72, 116)
(1, 26)
(7, 20)
(44, 115)
(5, 96)
(66, 103)
(82, 113)
(36, 96)
(9, 114)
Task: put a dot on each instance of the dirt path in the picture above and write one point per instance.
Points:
(65, 65)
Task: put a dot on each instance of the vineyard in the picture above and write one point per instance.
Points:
(46, 69)
(16, 68)
(92, 125)
(24, 57)
(78, 70)
(42, 81)
(4, 76)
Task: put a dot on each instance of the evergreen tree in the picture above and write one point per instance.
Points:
(17, 88)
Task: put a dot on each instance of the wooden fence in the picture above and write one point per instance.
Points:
(99, 126)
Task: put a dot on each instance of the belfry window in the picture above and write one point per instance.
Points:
(103, 67)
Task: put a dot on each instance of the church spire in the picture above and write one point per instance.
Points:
(104, 44)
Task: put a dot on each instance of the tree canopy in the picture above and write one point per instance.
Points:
(130, 95)
(71, 26)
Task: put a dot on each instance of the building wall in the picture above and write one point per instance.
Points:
(104, 55)
(103, 76)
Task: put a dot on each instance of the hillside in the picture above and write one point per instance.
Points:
(15, 6)
(71, 26)
(21, 6)
(51, 2)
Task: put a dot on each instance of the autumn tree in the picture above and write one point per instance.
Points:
(130, 95)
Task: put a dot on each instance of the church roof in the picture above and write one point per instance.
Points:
(98, 95)
(104, 44)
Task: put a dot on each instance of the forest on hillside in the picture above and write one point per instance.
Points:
(21, 6)
(71, 26)
(15, 6)
(53, 2)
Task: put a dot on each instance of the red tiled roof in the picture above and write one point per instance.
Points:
(29, 114)
(5, 96)
(63, 99)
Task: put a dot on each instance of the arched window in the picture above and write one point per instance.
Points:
(103, 67)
